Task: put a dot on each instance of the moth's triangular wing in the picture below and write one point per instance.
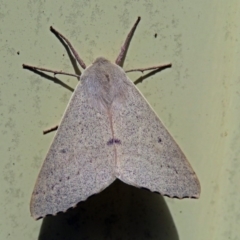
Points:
(148, 156)
(78, 163)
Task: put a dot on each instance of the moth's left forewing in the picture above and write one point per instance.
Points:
(79, 163)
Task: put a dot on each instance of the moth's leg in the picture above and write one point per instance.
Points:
(49, 70)
(123, 52)
(80, 61)
(50, 130)
(160, 67)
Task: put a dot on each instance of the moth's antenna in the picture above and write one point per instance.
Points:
(80, 61)
(123, 52)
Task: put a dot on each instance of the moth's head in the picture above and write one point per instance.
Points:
(104, 71)
(104, 83)
(105, 66)
(101, 61)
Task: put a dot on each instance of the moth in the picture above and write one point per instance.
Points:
(108, 132)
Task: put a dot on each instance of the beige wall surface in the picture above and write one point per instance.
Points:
(198, 100)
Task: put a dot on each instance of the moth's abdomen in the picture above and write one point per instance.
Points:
(105, 83)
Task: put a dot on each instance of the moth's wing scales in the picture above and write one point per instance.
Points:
(78, 163)
(148, 156)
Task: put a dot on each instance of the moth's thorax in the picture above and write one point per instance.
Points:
(104, 83)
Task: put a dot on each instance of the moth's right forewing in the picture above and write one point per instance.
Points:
(78, 163)
(148, 156)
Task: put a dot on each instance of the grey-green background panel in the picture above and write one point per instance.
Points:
(198, 100)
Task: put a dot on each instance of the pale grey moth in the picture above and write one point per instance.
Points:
(108, 131)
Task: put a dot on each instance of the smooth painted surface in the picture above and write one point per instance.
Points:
(198, 100)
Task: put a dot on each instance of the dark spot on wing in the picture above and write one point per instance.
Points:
(113, 141)
(159, 140)
(117, 141)
(108, 78)
(110, 142)
(63, 151)
(155, 35)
